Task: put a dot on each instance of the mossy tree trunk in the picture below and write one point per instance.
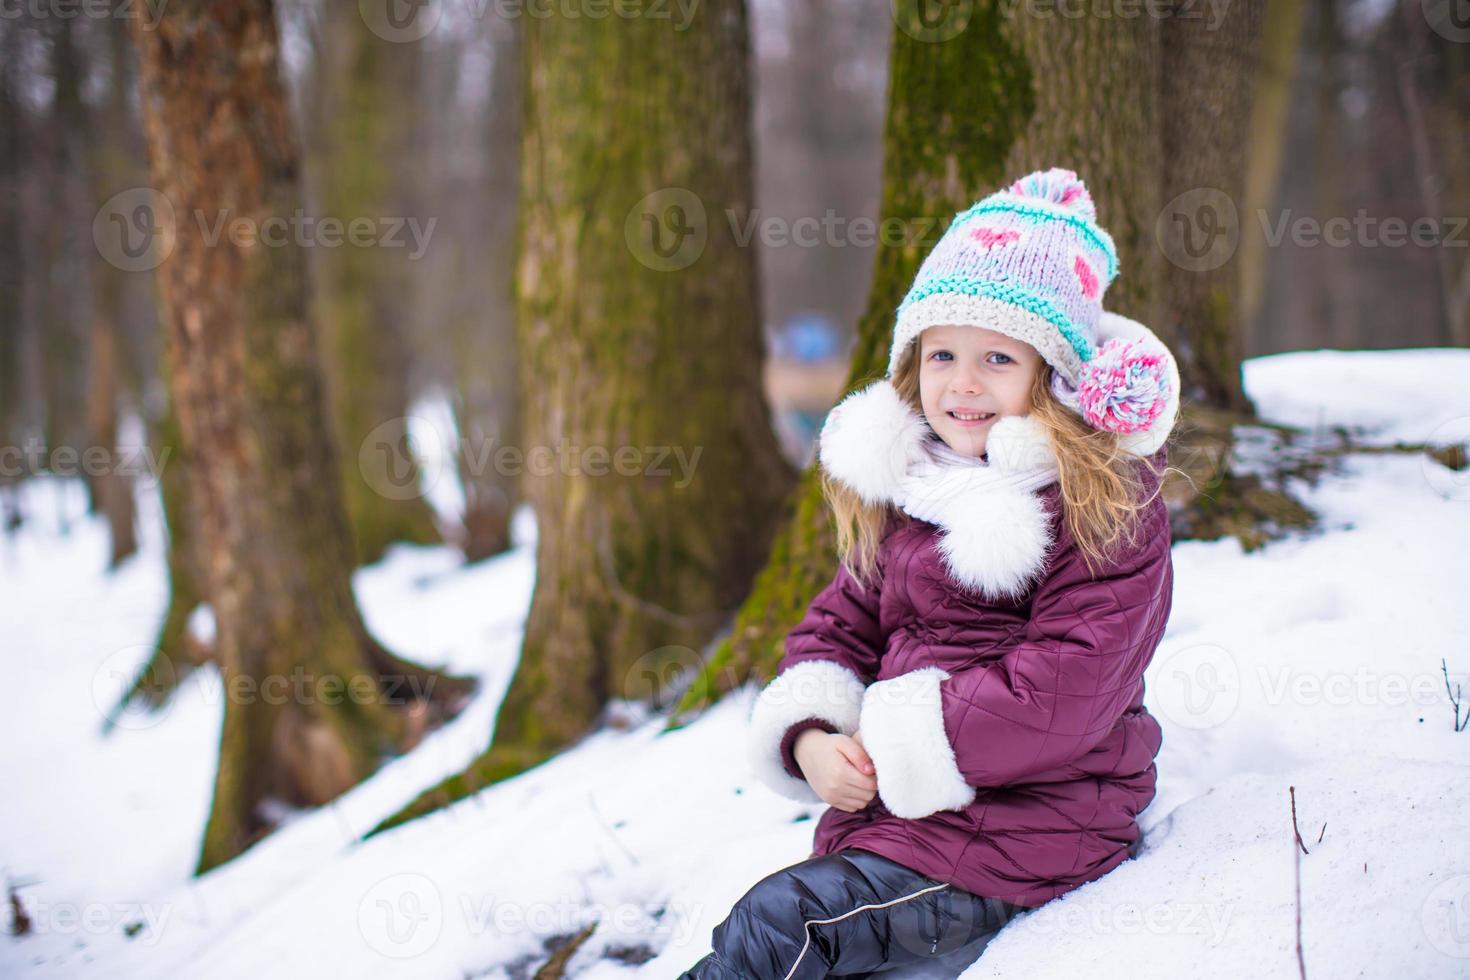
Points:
(312, 703)
(973, 103)
(640, 341)
(1209, 80)
(370, 92)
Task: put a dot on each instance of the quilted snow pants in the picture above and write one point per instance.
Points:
(852, 913)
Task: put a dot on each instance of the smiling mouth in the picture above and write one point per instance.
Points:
(971, 417)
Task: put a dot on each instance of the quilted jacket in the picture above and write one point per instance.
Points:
(1012, 749)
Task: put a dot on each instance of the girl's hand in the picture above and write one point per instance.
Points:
(838, 768)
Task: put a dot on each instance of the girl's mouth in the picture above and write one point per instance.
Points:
(969, 419)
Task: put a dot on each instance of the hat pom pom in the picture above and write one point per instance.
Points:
(1058, 186)
(1124, 387)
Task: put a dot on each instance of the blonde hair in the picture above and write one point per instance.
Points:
(1101, 489)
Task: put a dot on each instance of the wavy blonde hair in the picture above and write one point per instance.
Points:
(1101, 490)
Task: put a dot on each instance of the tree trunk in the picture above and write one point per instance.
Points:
(974, 100)
(640, 339)
(312, 703)
(482, 313)
(1209, 76)
(1270, 113)
(361, 285)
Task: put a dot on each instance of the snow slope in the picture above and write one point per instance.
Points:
(1313, 663)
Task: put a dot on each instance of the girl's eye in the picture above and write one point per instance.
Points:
(942, 355)
(999, 354)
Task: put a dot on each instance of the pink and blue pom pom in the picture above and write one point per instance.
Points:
(1124, 387)
(1059, 186)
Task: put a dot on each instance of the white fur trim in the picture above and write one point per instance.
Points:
(998, 547)
(902, 729)
(1147, 442)
(810, 689)
(1019, 442)
(869, 439)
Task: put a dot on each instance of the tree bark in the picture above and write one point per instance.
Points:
(1209, 77)
(312, 703)
(640, 337)
(368, 83)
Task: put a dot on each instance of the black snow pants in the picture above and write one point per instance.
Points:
(852, 913)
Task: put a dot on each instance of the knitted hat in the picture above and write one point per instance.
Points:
(1032, 263)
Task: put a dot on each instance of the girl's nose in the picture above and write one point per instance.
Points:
(966, 383)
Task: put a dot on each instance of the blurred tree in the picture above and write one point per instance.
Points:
(313, 703)
(12, 274)
(110, 168)
(640, 338)
(369, 91)
(1210, 76)
(482, 317)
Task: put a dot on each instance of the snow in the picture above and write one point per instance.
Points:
(1312, 663)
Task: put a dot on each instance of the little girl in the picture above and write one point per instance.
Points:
(967, 693)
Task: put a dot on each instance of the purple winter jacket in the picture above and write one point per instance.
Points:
(1012, 748)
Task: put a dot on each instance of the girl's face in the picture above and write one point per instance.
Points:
(968, 378)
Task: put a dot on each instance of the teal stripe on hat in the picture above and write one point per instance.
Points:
(1006, 292)
(1087, 228)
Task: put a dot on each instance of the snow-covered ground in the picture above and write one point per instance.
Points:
(1313, 663)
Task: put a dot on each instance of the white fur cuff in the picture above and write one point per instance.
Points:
(902, 729)
(811, 689)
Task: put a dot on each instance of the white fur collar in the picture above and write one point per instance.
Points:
(996, 529)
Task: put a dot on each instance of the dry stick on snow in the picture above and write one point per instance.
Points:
(1297, 863)
(1454, 697)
